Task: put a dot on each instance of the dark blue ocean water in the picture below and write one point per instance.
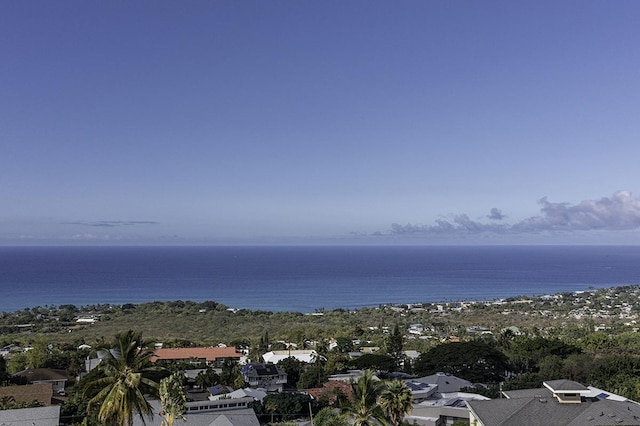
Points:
(306, 278)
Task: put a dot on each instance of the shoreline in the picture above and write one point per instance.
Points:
(305, 279)
(408, 305)
(614, 308)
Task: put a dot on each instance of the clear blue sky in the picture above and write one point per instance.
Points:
(320, 121)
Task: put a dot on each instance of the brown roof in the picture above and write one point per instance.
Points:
(208, 354)
(42, 392)
(330, 391)
(43, 374)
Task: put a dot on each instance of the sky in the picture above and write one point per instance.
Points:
(215, 122)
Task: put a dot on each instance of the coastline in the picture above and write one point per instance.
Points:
(305, 279)
(209, 323)
(411, 306)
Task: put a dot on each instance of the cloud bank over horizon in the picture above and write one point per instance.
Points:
(619, 212)
(112, 223)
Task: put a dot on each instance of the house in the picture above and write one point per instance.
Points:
(219, 390)
(349, 376)
(57, 378)
(445, 383)
(6, 351)
(220, 404)
(90, 364)
(307, 356)
(208, 413)
(421, 391)
(330, 391)
(410, 356)
(558, 403)
(265, 376)
(212, 356)
(256, 394)
(438, 400)
(39, 416)
(416, 329)
(42, 392)
(442, 409)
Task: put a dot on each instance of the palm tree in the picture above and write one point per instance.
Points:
(173, 399)
(124, 375)
(396, 401)
(329, 417)
(7, 402)
(363, 405)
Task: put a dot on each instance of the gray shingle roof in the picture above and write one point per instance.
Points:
(42, 374)
(609, 412)
(529, 393)
(565, 385)
(237, 417)
(39, 416)
(547, 411)
(446, 382)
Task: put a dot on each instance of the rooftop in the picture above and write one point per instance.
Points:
(210, 354)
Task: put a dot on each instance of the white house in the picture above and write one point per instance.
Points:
(308, 356)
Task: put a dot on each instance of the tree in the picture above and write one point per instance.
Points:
(207, 378)
(343, 345)
(7, 402)
(4, 373)
(577, 367)
(293, 367)
(286, 405)
(394, 345)
(173, 399)
(363, 406)
(122, 378)
(38, 355)
(313, 377)
(231, 374)
(396, 401)
(475, 361)
(378, 362)
(551, 367)
(330, 417)
(526, 353)
(17, 362)
(261, 349)
(337, 363)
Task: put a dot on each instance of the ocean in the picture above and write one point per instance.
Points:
(304, 278)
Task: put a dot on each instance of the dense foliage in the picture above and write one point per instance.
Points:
(521, 343)
(476, 361)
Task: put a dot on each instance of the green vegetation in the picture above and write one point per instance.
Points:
(328, 416)
(476, 361)
(363, 407)
(395, 400)
(173, 399)
(567, 316)
(9, 403)
(590, 337)
(116, 390)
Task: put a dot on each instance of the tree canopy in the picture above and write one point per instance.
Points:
(476, 361)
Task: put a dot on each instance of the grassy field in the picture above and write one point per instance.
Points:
(209, 323)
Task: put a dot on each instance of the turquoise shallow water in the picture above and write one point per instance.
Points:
(304, 278)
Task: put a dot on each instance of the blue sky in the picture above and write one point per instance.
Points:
(335, 121)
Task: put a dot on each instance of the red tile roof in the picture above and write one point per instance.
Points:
(330, 391)
(208, 354)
